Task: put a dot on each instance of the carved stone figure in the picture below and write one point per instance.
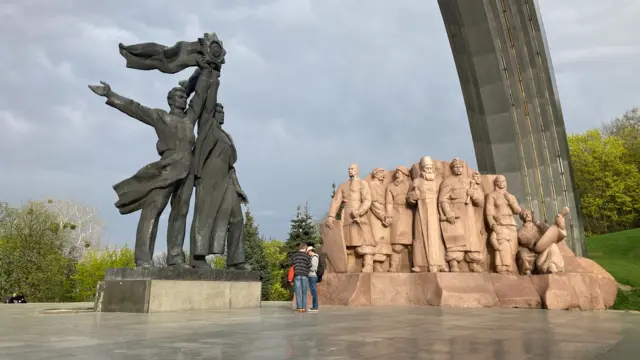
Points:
(379, 219)
(152, 186)
(355, 194)
(500, 210)
(428, 249)
(461, 237)
(401, 215)
(539, 251)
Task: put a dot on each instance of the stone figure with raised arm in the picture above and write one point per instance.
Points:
(500, 209)
(151, 188)
(355, 194)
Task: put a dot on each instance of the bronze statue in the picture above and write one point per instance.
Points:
(150, 189)
(218, 212)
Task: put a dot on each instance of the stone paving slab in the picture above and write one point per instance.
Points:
(276, 332)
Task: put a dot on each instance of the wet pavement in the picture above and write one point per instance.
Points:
(385, 333)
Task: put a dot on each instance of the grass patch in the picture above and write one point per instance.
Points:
(619, 254)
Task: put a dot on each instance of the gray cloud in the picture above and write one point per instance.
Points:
(308, 87)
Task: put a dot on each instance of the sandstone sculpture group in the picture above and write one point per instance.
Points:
(446, 216)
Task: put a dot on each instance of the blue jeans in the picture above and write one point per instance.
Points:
(313, 281)
(300, 284)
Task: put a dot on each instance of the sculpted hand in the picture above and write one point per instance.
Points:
(451, 220)
(243, 197)
(413, 196)
(559, 221)
(470, 192)
(102, 90)
(329, 222)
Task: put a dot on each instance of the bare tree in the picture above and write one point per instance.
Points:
(160, 259)
(86, 227)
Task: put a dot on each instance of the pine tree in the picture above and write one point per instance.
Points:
(303, 229)
(254, 251)
(333, 193)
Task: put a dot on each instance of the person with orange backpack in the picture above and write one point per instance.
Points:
(301, 267)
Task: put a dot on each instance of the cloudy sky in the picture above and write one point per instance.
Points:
(309, 86)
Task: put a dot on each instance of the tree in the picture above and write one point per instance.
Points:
(31, 253)
(87, 228)
(159, 259)
(303, 229)
(254, 251)
(627, 128)
(91, 269)
(607, 183)
(276, 254)
(218, 261)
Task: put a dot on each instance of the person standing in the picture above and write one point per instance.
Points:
(313, 278)
(301, 267)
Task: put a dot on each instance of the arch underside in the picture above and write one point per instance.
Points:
(501, 55)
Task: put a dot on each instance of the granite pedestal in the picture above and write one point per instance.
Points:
(175, 289)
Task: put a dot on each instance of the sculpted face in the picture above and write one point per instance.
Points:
(219, 114)
(428, 171)
(353, 170)
(399, 175)
(500, 182)
(477, 178)
(379, 175)
(456, 169)
(178, 99)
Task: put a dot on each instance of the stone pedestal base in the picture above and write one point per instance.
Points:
(172, 289)
(585, 291)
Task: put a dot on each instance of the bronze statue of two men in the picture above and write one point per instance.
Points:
(205, 162)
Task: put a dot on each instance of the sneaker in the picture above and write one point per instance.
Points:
(301, 310)
(314, 310)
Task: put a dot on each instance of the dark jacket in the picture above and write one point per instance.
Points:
(301, 263)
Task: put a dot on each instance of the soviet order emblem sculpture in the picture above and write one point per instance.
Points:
(172, 178)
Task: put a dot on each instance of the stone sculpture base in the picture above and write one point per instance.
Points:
(586, 287)
(173, 289)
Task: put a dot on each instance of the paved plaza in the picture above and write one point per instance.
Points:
(275, 332)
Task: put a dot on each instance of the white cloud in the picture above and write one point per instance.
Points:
(13, 127)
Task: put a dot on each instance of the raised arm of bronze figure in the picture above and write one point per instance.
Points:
(202, 93)
(126, 105)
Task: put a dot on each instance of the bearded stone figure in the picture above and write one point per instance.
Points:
(401, 214)
(457, 199)
(428, 249)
